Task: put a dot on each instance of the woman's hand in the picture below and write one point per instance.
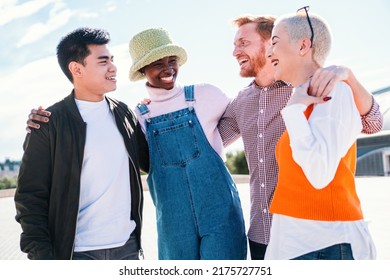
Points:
(300, 95)
(39, 115)
(324, 79)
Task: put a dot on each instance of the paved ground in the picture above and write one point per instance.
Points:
(374, 193)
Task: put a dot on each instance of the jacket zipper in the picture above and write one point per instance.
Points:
(137, 175)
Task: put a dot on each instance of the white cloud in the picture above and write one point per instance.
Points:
(10, 10)
(59, 16)
(110, 6)
(87, 15)
(34, 84)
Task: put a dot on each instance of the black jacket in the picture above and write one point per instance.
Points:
(47, 195)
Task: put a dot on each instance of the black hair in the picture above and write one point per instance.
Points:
(74, 46)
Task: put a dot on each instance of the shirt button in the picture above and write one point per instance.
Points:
(262, 185)
(265, 211)
(261, 160)
(265, 89)
(261, 135)
(261, 111)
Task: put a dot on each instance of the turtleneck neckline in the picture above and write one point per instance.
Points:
(161, 95)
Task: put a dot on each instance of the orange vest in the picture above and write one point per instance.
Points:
(295, 197)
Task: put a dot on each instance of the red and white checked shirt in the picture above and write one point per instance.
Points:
(255, 116)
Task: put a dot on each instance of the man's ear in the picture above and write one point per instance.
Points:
(75, 69)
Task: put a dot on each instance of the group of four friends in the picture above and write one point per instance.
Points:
(79, 193)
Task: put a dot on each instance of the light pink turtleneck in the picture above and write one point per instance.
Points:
(209, 106)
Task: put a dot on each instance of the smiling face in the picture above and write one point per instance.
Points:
(162, 73)
(284, 54)
(249, 50)
(96, 75)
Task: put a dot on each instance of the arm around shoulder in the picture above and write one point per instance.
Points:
(368, 107)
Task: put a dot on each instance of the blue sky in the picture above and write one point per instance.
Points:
(30, 31)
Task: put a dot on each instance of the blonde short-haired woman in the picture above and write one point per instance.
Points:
(316, 210)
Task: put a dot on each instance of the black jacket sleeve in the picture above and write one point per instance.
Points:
(32, 195)
(143, 148)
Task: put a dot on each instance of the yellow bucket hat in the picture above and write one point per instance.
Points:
(151, 45)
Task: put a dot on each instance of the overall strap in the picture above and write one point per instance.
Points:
(189, 95)
(144, 110)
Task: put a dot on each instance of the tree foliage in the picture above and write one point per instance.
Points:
(236, 163)
(7, 182)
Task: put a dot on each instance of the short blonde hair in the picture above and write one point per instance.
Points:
(297, 27)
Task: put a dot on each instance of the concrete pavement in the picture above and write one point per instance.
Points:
(374, 194)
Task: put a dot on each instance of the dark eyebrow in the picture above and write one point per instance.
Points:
(274, 37)
(105, 57)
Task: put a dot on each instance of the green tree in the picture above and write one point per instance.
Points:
(236, 163)
(7, 182)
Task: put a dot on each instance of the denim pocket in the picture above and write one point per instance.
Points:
(176, 144)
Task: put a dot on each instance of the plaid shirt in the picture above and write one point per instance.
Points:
(255, 116)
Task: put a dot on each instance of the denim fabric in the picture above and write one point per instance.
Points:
(129, 251)
(341, 251)
(198, 209)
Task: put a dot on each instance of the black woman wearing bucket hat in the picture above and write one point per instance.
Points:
(198, 209)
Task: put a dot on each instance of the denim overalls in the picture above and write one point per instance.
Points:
(198, 210)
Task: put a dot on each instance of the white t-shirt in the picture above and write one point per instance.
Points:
(104, 214)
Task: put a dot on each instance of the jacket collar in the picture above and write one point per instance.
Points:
(70, 104)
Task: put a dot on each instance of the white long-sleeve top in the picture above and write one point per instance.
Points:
(210, 104)
(318, 144)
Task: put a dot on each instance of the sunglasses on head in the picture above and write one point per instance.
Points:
(306, 9)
